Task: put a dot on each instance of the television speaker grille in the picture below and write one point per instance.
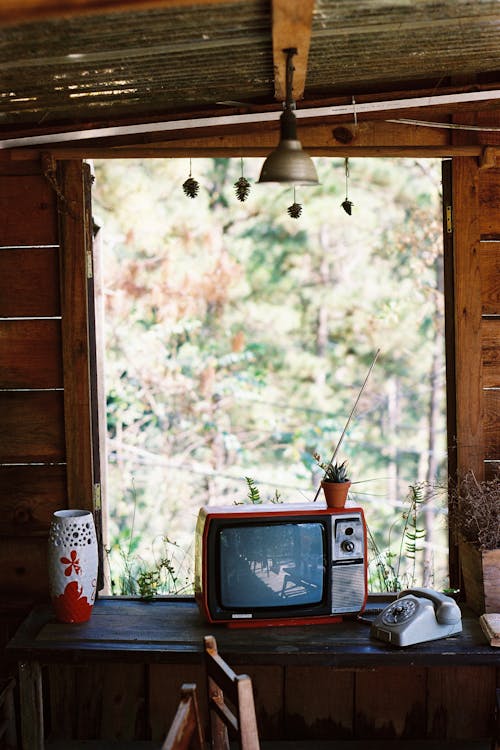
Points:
(348, 588)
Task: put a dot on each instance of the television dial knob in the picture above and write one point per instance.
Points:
(347, 545)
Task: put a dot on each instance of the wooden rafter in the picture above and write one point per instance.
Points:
(292, 23)
(250, 121)
(19, 11)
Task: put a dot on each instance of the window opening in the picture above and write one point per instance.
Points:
(237, 337)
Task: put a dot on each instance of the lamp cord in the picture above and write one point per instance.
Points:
(290, 52)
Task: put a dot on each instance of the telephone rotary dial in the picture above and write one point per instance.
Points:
(399, 612)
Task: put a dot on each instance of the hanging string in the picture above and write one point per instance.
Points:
(354, 113)
(347, 204)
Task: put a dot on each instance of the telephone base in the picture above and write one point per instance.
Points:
(404, 639)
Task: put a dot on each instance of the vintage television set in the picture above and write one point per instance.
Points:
(280, 564)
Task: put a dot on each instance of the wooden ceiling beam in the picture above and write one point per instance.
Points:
(415, 152)
(179, 128)
(367, 139)
(21, 11)
(435, 111)
(292, 26)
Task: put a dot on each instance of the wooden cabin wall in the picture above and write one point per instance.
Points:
(44, 395)
(46, 464)
(134, 701)
(476, 209)
(476, 243)
(489, 270)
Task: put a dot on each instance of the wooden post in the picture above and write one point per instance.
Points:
(468, 355)
(31, 702)
(75, 259)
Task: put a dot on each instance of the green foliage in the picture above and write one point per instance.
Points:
(254, 496)
(167, 573)
(394, 570)
(253, 491)
(237, 337)
(135, 570)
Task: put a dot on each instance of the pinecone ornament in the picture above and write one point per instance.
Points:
(242, 188)
(191, 187)
(294, 210)
(347, 206)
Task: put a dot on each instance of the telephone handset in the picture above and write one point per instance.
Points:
(418, 614)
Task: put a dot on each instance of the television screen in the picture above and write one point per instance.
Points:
(271, 565)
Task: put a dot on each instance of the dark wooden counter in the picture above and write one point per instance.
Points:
(171, 631)
(117, 677)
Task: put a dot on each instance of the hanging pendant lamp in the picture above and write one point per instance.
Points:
(288, 163)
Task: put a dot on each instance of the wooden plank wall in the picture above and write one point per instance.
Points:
(489, 269)
(32, 454)
(477, 305)
(45, 455)
(138, 701)
(476, 209)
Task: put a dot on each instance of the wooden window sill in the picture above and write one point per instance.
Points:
(171, 630)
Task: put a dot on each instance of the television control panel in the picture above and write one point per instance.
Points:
(348, 538)
(349, 552)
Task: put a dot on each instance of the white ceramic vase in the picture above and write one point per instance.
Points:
(73, 562)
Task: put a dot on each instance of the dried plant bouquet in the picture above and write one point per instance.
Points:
(475, 511)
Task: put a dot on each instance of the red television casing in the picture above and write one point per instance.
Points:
(280, 564)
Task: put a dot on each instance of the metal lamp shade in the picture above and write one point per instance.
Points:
(288, 162)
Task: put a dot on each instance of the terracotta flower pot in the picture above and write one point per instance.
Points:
(335, 493)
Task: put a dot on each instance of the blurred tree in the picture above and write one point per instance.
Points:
(237, 337)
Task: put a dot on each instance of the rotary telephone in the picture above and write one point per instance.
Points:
(417, 615)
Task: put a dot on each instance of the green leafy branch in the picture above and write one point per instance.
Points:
(388, 564)
(147, 580)
(253, 494)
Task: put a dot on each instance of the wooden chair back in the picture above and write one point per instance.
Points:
(225, 687)
(186, 732)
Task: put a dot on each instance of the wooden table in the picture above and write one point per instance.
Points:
(170, 632)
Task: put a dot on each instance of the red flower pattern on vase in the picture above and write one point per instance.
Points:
(72, 606)
(74, 562)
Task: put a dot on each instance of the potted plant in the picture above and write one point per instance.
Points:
(335, 482)
(475, 512)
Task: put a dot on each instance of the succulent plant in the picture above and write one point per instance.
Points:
(338, 473)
